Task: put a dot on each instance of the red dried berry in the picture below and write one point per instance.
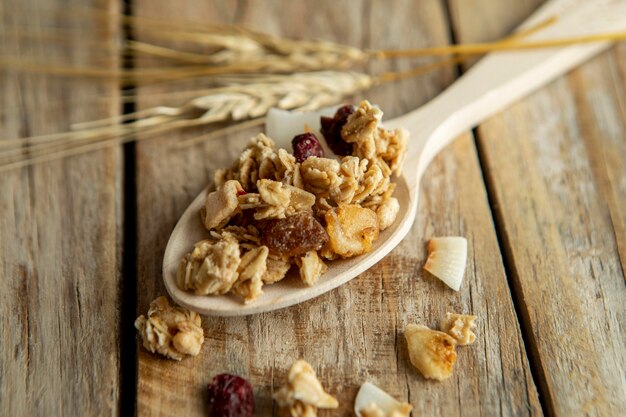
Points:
(231, 396)
(306, 145)
(331, 129)
(294, 235)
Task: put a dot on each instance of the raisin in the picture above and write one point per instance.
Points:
(231, 396)
(331, 129)
(294, 235)
(306, 145)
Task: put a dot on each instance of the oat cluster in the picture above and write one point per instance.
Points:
(270, 212)
(171, 331)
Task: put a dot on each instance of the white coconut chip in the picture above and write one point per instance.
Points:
(447, 258)
(371, 396)
(282, 125)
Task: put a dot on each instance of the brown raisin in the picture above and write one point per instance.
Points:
(294, 235)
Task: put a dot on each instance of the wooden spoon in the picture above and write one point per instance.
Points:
(490, 86)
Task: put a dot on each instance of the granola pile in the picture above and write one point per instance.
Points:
(273, 209)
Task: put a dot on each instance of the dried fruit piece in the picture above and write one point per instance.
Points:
(306, 145)
(352, 229)
(331, 129)
(304, 393)
(170, 331)
(430, 351)
(294, 235)
(231, 396)
(372, 401)
(447, 257)
(459, 326)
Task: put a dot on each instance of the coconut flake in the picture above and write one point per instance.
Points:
(370, 397)
(447, 258)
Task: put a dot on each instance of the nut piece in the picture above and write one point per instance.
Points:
(431, 352)
(211, 268)
(304, 393)
(311, 268)
(459, 326)
(387, 212)
(251, 270)
(351, 229)
(170, 331)
(221, 205)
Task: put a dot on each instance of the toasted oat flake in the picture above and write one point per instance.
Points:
(311, 268)
(170, 331)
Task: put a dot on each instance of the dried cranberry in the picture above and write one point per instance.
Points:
(294, 235)
(231, 396)
(331, 129)
(306, 145)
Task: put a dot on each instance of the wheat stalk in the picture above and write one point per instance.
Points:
(240, 99)
(250, 72)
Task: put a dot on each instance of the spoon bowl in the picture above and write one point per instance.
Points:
(490, 86)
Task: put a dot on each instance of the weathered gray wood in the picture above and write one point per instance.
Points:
(353, 333)
(555, 165)
(59, 228)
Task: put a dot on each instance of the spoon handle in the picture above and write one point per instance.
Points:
(502, 78)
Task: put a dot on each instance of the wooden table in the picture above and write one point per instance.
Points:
(539, 191)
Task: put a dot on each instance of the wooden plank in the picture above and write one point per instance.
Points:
(353, 333)
(59, 222)
(555, 167)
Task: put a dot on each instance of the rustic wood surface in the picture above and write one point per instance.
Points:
(554, 165)
(59, 227)
(539, 191)
(354, 333)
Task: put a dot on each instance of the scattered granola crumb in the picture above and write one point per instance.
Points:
(170, 331)
(432, 352)
(304, 394)
(460, 327)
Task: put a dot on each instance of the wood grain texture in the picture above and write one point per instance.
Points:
(555, 166)
(59, 223)
(354, 333)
